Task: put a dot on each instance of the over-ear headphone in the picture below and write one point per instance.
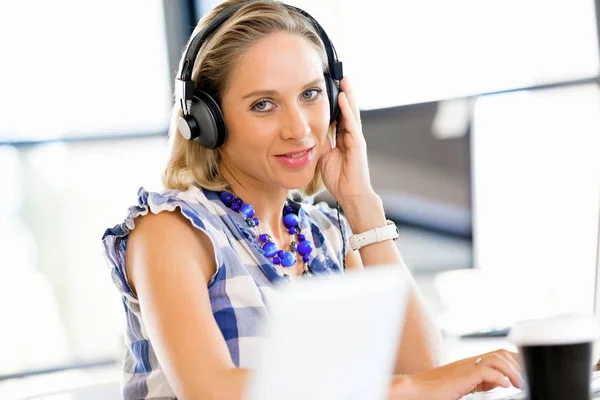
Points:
(202, 119)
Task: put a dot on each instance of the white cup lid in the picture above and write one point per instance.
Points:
(558, 330)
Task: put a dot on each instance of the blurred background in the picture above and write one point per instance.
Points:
(482, 121)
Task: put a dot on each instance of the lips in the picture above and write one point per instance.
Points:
(297, 159)
(293, 154)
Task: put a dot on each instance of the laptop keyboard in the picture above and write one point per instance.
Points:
(501, 394)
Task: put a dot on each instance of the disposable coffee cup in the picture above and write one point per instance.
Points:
(556, 353)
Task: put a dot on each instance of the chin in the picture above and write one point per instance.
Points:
(296, 182)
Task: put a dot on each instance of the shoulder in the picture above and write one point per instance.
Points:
(162, 241)
(163, 226)
(191, 204)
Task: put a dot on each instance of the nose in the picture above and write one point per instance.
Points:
(296, 124)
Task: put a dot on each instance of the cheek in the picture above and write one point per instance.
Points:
(250, 136)
(321, 119)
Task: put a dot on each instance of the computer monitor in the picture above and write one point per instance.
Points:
(536, 191)
(597, 280)
(596, 349)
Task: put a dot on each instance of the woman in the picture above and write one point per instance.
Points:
(195, 279)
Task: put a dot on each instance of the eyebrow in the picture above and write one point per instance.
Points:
(273, 92)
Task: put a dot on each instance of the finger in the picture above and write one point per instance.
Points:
(507, 357)
(347, 88)
(512, 358)
(506, 367)
(349, 121)
(515, 356)
(352, 135)
(492, 377)
(484, 387)
(504, 352)
(341, 142)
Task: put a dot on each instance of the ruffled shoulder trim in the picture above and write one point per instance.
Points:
(192, 204)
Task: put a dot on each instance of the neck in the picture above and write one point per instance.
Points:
(268, 203)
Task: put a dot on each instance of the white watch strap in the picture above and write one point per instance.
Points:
(377, 235)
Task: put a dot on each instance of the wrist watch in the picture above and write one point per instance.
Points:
(377, 235)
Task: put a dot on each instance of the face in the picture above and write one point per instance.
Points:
(277, 113)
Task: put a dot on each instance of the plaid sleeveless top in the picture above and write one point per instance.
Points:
(238, 291)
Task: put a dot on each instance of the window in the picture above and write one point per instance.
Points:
(99, 69)
(405, 52)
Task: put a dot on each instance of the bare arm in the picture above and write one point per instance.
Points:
(169, 263)
(420, 343)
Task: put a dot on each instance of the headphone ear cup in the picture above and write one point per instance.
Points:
(215, 125)
(205, 125)
(332, 93)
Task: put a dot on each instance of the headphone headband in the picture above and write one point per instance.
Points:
(194, 47)
(185, 86)
(335, 67)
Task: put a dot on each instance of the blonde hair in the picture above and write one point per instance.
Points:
(190, 163)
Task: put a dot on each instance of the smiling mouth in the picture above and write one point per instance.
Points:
(296, 155)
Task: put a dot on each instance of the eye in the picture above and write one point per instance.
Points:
(262, 106)
(311, 94)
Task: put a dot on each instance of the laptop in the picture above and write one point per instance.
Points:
(332, 337)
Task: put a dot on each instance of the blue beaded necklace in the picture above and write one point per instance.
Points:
(281, 259)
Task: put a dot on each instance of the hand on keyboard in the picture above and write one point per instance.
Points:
(515, 394)
(476, 374)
